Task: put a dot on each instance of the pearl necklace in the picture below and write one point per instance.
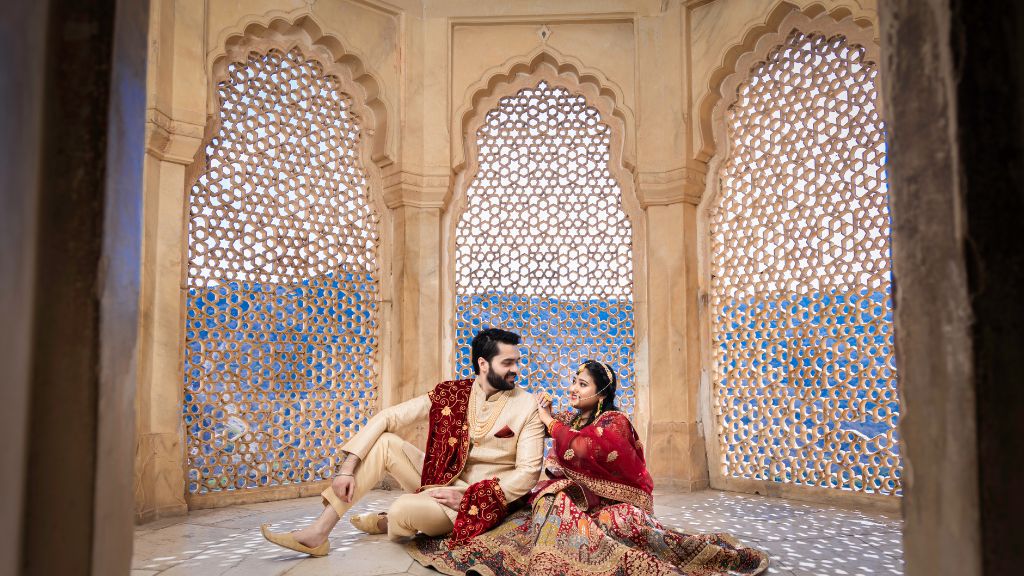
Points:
(480, 429)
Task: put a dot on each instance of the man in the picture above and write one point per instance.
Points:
(484, 450)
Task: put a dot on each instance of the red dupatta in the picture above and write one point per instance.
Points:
(448, 436)
(483, 504)
(606, 458)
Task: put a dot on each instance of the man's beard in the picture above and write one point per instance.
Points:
(499, 382)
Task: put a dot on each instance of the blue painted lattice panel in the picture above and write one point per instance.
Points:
(558, 336)
(275, 378)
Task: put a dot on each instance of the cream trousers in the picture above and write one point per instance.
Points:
(410, 513)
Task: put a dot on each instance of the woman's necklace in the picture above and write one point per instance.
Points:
(480, 429)
(578, 421)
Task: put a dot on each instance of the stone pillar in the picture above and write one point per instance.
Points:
(174, 131)
(954, 108)
(417, 300)
(23, 36)
(676, 445)
(69, 277)
(416, 313)
(416, 194)
(159, 465)
(668, 192)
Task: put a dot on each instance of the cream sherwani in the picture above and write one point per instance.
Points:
(515, 461)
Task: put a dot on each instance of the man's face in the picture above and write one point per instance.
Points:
(503, 369)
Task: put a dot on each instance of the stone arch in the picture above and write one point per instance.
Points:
(304, 32)
(606, 97)
(565, 71)
(284, 32)
(758, 43)
(853, 22)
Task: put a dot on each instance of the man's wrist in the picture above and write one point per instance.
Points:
(347, 467)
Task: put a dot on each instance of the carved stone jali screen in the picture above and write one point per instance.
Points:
(544, 247)
(282, 315)
(802, 335)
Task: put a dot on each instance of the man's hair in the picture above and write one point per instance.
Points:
(485, 344)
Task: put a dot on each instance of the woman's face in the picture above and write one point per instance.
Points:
(583, 392)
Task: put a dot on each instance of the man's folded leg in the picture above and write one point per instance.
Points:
(388, 455)
(412, 513)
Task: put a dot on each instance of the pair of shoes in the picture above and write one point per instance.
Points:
(368, 522)
(286, 540)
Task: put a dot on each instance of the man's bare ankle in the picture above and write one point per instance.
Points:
(310, 539)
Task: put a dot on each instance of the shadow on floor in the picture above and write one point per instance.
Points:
(802, 539)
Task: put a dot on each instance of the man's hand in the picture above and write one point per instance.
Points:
(344, 487)
(447, 497)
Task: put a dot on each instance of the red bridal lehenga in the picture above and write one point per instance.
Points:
(593, 517)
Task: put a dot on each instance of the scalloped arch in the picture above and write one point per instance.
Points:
(567, 72)
(285, 32)
(481, 97)
(742, 57)
(823, 23)
(780, 21)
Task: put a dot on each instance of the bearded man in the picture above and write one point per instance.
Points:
(484, 450)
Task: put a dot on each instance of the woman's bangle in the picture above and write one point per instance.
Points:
(551, 426)
(346, 474)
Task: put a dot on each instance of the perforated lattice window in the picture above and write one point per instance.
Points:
(281, 329)
(544, 247)
(805, 383)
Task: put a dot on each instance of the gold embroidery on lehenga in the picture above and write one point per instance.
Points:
(612, 456)
(568, 454)
(614, 491)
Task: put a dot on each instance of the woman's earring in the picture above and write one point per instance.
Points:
(600, 405)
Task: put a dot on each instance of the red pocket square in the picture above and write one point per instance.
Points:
(505, 432)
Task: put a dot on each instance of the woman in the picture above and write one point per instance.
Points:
(593, 515)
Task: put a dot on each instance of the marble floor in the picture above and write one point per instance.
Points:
(802, 539)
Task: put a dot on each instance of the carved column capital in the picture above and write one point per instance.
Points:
(172, 140)
(670, 187)
(407, 188)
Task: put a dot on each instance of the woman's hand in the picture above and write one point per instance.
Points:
(544, 407)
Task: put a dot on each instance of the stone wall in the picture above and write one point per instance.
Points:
(425, 68)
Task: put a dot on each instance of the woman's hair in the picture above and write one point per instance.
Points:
(605, 384)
